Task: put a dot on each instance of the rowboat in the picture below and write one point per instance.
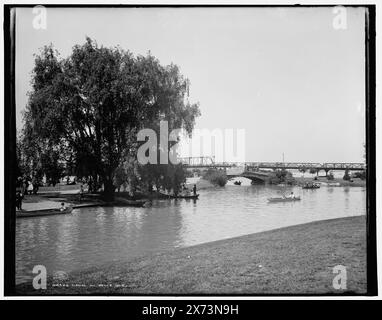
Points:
(315, 186)
(127, 203)
(191, 196)
(42, 212)
(238, 183)
(281, 199)
(334, 184)
(180, 196)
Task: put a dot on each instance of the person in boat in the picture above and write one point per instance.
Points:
(292, 196)
(62, 208)
(194, 189)
(185, 191)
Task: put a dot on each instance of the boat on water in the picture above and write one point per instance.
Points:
(182, 196)
(311, 187)
(127, 203)
(191, 196)
(282, 199)
(42, 212)
(238, 183)
(334, 184)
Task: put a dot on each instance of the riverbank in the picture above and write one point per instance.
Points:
(356, 182)
(52, 197)
(292, 260)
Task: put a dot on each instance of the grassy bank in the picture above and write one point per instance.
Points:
(292, 260)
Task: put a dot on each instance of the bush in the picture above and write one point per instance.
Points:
(312, 171)
(281, 176)
(360, 174)
(216, 177)
(330, 176)
(346, 175)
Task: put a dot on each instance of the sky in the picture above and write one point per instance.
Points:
(287, 77)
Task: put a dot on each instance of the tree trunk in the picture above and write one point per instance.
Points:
(108, 190)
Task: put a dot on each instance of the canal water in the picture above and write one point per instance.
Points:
(94, 236)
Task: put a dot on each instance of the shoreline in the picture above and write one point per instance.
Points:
(52, 198)
(291, 260)
(325, 182)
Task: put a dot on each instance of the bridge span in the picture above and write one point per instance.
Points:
(208, 162)
(255, 176)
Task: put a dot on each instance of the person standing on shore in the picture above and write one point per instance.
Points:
(30, 188)
(81, 191)
(24, 187)
(19, 200)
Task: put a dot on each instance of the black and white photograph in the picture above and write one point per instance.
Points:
(190, 151)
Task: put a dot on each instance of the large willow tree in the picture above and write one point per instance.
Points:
(92, 104)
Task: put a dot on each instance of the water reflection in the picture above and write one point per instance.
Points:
(93, 236)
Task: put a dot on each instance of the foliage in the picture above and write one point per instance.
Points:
(120, 177)
(313, 170)
(91, 105)
(360, 174)
(51, 166)
(167, 177)
(216, 177)
(347, 175)
(281, 176)
(36, 159)
(330, 176)
(302, 169)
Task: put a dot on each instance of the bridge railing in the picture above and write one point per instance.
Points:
(344, 165)
(272, 165)
(306, 165)
(197, 161)
(210, 162)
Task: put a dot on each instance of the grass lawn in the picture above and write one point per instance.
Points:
(292, 260)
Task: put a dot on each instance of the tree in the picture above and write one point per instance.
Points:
(120, 177)
(330, 175)
(169, 177)
(36, 159)
(302, 170)
(360, 174)
(347, 175)
(216, 177)
(95, 101)
(51, 166)
(313, 171)
(281, 176)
